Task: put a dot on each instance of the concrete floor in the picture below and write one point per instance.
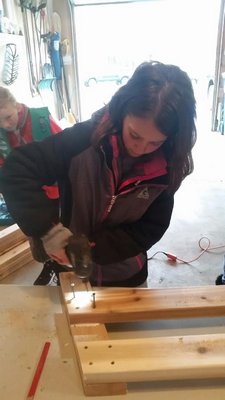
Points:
(199, 212)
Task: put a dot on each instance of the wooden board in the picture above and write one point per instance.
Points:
(132, 304)
(104, 363)
(86, 332)
(10, 237)
(153, 359)
(15, 259)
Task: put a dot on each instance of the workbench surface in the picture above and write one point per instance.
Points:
(30, 316)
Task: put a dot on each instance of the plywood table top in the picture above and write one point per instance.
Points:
(30, 316)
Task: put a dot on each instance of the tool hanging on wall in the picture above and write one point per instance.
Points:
(69, 114)
(29, 39)
(46, 65)
(55, 54)
(11, 64)
(37, 36)
(54, 44)
(46, 68)
(61, 82)
(33, 6)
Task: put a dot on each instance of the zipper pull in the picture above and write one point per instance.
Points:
(137, 183)
(113, 199)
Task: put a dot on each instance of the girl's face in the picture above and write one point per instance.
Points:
(140, 136)
(9, 117)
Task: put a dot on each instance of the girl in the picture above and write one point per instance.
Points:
(117, 175)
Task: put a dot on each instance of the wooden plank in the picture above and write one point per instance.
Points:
(104, 362)
(15, 259)
(133, 304)
(153, 359)
(69, 278)
(11, 237)
(97, 333)
(86, 332)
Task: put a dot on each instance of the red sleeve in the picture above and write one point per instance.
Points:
(52, 192)
(53, 126)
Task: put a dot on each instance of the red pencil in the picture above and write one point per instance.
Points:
(38, 371)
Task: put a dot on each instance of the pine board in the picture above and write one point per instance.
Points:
(106, 363)
(133, 304)
(86, 332)
(153, 359)
(11, 237)
(14, 259)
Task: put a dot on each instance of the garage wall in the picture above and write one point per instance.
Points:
(37, 90)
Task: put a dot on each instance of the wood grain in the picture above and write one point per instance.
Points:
(10, 237)
(85, 332)
(14, 259)
(153, 359)
(133, 304)
(105, 363)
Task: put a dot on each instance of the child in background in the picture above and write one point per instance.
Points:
(20, 125)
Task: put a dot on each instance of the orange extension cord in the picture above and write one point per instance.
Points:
(174, 258)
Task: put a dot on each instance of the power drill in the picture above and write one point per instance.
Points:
(78, 251)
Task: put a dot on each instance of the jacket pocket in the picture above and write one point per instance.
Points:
(119, 271)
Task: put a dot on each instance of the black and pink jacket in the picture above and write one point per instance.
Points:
(123, 208)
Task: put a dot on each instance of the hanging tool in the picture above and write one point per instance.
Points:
(54, 43)
(55, 54)
(33, 6)
(69, 115)
(32, 77)
(11, 64)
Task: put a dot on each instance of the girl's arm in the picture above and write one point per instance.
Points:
(30, 167)
(128, 240)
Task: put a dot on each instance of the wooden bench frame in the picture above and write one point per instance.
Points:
(106, 365)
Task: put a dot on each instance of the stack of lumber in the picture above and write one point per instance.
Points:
(14, 250)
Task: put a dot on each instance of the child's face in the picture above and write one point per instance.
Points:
(140, 136)
(9, 117)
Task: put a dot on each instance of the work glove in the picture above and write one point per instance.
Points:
(54, 240)
(57, 238)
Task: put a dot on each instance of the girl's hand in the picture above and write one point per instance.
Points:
(60, 256)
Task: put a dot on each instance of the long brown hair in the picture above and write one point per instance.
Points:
(165, 94)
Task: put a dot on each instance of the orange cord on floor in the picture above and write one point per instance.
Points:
(174, 258)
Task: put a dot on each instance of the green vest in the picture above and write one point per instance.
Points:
(40, 125)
